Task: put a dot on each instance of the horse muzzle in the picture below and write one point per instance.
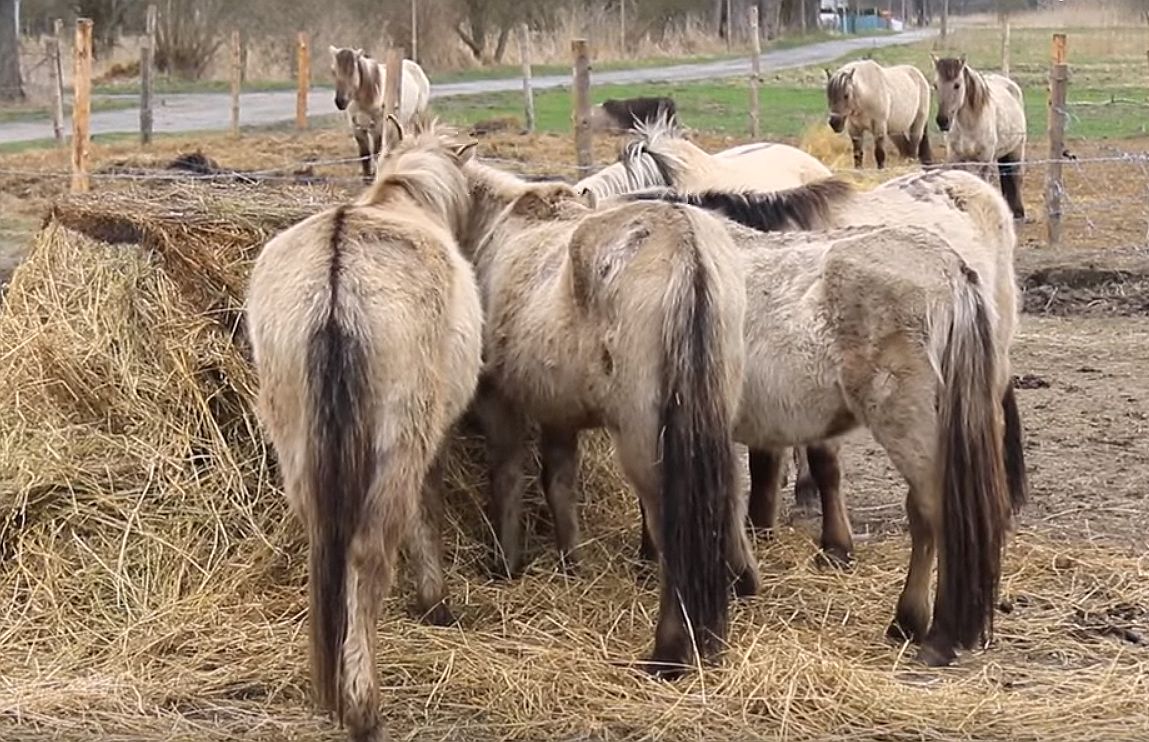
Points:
(837, 123)
(943, 122)
(341, 103)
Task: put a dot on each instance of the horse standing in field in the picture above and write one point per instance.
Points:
(660, 156)
(889, 102)
(366, 331)
(904, 329)
(360, 82)
(964, 209)
(631, 319)
(983, 115)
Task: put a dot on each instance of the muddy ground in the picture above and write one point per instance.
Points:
(1081, 355)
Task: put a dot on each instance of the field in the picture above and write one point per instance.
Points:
(156, 589)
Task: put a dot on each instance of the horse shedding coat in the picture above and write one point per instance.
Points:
(983, 115)
(365, 323)
(360, 82)
(889, 102)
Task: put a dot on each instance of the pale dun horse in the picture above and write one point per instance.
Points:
(628, 318)
(360, 82)
(365, 323)
(889, 102)
(971, 214)
(904, 329)
(983, 116)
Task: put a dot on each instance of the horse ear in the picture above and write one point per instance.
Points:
(334, 51)
(464, 152)
(828, 73)
(588, 198)
(358, 52)
(962, 59)
(933, 58)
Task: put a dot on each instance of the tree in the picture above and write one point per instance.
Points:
(11, 84)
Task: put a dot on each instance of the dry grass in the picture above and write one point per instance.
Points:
(154, 587)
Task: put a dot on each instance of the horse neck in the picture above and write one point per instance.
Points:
(370, 92)
(975, 84)
(491, 191)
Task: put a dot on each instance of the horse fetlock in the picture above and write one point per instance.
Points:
(748, 583)
(937, 651)
(909, 625)
(436, 614)
(834, 556)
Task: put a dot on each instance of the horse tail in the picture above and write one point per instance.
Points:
(338, 473)
(697, 466)
(975, 510)
(1015, 470)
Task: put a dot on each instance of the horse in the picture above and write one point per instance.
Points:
(958, 205)
(660, 156)
(629, 319)
(360, 82)
(983, 116)
(891, 102)
(621, 114)
(366, 330)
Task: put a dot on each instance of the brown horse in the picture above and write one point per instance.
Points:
(969, 213)
(630, 319)
(365, 323)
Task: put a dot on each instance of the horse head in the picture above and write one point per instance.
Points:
(950, 84)
(345, 70)
(839, 94)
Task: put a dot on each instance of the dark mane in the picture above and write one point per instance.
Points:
(804, 208)
(837, 86)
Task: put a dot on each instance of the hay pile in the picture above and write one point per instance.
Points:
(154, 588)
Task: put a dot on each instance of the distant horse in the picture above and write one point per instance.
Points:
(889, 102)
(660, 156)
(983, 115)
(627, 318)
(904, 329)
(622, 114)
(963, 208)
(360, 82)
(365, 324)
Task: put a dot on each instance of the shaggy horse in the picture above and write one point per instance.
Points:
(891, 102)
(983, 115)
(660, 156)
(620, 115)
(961, 207)
(628, 318)
(366, 331)
(360, 82)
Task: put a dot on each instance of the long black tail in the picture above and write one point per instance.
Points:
(339, 472)
(1015, 470)
(697, 471)
(975, 504)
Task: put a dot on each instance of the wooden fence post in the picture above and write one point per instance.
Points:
(622, 28)
(81, 106)
(393, 90)
(147, 62)
(236, 66)
(945, 20)
(56, 71)
(755, 70)
(415, 31)
(1005, 49)
(581, 91)
(1054, 185)
(524, 38)
(304, 51)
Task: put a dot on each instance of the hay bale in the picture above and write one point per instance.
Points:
(156, 586)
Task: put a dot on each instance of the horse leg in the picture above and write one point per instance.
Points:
(385, 520)
(805, 488)
(507, 449)
(856, 142)
(837, 542)
(765, 473)
(1009, 169)
(363, 139)
(739, 549)
(559, 453)
(647, 551)
(425, 551)
(912, 616)
(880, 136)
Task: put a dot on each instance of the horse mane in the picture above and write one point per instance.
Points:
(653, 134)
(806, 207)
(421, 168)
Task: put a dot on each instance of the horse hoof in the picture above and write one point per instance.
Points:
(933, 656)
(664, 670)
(498, 569)
(569, 564)
(900, 634)
(440, 615)
(835, 558)
(746, 586)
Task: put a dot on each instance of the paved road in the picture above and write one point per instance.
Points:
(207, 111)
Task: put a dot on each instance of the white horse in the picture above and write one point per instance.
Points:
(983, 115)
(891, 102)
(359, 85)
